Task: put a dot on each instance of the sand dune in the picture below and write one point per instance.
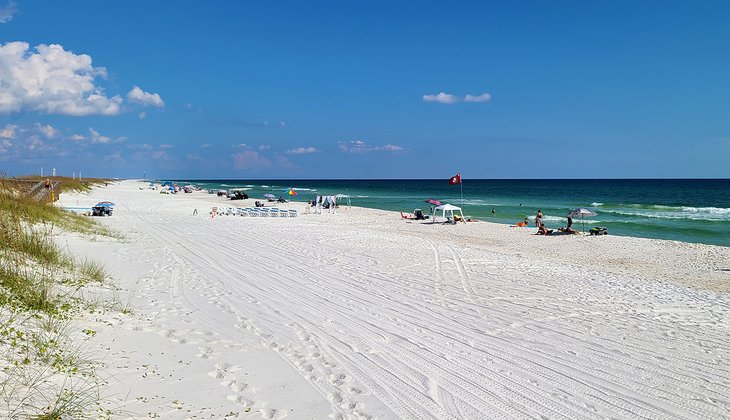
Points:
(360, 314)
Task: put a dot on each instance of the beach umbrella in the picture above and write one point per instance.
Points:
(269, 196)
(104, 204)
(581, 212)
(292, 192)
(433, 202)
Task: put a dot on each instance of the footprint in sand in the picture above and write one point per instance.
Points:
(204, 352)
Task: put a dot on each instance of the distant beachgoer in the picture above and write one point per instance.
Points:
(542, 230)
(538, 219)
(47, 183)
(494, 211)
(569, 228)
(195, 212)
(523, 223)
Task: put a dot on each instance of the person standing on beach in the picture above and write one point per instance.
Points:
(538, 219)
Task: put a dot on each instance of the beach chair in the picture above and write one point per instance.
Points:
(293, 213)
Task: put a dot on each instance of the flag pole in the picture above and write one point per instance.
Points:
(461, 189)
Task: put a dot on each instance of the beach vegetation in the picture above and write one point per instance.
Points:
(44, 373)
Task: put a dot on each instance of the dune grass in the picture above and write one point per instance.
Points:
(41, 374)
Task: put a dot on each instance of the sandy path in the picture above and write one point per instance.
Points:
(363, 315)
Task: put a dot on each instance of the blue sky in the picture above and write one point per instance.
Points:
(307, 90)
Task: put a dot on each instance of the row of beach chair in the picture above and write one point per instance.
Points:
(258, 212)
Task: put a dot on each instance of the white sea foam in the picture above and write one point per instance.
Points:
(688, 213)
(710, 210)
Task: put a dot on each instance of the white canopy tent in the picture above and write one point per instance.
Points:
(447, 211)
(343, 197)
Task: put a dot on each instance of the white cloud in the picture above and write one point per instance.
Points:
(7, 12)
(98, 138)
(51, 80)
(166, 146)
(47, 130)
(389, 148)
(353, 146)
(359, 146)
(8, 132)
(139, 96)
(264, 147)
(442, 97)
(205, 145)
(77, 138)
(142, 115)
(484, 97)
(301, 151)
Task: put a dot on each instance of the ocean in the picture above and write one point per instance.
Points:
(689, 210)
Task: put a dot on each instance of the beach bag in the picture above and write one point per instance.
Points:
(598, 231)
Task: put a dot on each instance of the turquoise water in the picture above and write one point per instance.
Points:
(690, 210)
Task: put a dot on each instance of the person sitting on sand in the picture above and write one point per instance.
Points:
(522, 224)
(569, 228)
(542, 230)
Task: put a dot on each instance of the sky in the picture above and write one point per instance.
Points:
(365, 90)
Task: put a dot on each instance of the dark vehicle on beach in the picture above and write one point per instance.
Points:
(237, 194)
(104, 208)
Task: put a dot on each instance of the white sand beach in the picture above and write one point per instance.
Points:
(361, 314)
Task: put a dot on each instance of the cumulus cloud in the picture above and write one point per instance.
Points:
(264, 147)
(47, 130)
(77, 138)
(51, 80)
(206, 145)
(139, 96)
(484, 97)
(97, 138)
(443, 98)
(359, 146)
(302, 151)
(8, 132)
(7, 12)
